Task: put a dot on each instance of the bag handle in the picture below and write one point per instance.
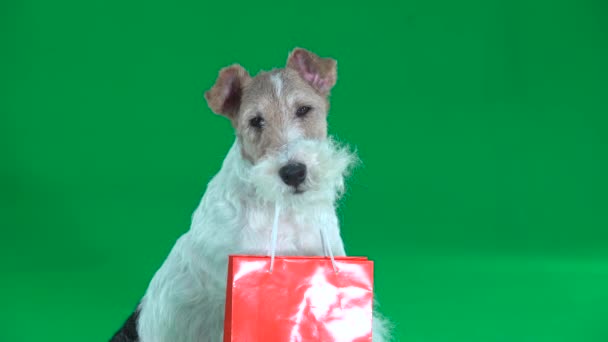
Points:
(275, 231)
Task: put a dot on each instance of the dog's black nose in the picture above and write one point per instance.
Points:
(293, 174)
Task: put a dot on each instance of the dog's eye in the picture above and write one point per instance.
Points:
(257, 122)
(302, 111)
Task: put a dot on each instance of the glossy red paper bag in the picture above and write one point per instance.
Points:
(302, 300)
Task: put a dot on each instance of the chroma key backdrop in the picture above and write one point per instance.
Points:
(482, 127)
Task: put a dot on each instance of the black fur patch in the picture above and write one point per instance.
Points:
(128, 332)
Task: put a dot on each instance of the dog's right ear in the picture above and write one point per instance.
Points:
(225, 96)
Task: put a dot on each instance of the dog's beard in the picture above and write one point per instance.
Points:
(327, 164)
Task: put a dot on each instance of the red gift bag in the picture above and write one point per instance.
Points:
(299, 299)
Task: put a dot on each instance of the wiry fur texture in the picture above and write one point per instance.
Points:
(185, 299)
(326, 162)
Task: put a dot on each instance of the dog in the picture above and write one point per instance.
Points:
(281, 155)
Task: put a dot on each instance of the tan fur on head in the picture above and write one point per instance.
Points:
(274, 98)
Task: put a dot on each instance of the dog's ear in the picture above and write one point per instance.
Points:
(224, 97)
(319, 72)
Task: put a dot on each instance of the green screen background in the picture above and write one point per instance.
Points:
(482, 127)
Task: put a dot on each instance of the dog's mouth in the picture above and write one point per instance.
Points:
(298, 191)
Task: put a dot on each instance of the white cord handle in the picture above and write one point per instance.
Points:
(275, 231)
(273, 241)
(328, 248)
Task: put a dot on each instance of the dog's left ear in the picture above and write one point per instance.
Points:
(224, 97)
(319, 72)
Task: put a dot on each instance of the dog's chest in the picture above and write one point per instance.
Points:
(298, 232)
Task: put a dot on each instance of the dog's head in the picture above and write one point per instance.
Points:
(280, 118)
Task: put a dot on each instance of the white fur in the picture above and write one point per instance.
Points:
(185, 300)
(277, 82)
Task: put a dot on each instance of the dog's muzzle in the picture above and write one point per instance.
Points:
(293, 174)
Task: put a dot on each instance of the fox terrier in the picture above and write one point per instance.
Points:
(282, 154)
